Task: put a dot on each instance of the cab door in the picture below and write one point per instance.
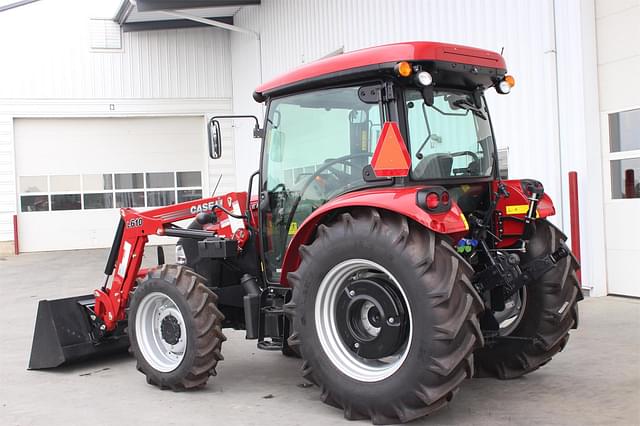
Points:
(316, 145)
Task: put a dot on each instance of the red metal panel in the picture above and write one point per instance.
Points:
(510, 230)
(412, 51)
(398, 200)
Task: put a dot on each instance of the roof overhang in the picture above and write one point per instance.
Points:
(475, 63)
(148, 15)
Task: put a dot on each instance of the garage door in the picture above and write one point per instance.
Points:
(74, 174)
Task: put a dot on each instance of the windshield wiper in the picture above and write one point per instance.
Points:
(468, 106)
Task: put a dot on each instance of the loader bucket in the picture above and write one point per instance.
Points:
(64, 334)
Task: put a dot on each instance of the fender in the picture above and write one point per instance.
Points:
(398, 200)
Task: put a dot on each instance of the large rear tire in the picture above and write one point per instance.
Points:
(175, 328)
(549, 309)
(361, 270)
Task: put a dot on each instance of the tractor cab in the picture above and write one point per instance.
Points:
(324, 123)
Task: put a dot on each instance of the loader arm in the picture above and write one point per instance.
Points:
(133, 233)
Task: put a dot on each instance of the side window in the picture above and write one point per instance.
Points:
(448, 139)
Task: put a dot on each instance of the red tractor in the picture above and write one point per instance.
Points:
(383, 247)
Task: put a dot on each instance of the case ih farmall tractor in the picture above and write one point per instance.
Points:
(383, 248)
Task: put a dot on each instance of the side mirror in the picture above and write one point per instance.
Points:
(215, 139)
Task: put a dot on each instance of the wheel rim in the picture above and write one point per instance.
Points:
(510, 317)
(161, 333)
(363, 320)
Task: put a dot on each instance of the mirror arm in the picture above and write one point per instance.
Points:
(257, 131)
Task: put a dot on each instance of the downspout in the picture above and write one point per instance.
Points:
(557, 95)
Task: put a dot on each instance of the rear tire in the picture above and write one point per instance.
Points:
(550, 311)
(430, 282)
(175, 328)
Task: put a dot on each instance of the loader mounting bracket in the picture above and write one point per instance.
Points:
(217, 248)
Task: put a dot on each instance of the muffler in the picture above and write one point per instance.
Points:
(68, 331)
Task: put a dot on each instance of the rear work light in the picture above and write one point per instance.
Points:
(505, 85)
(434, 200)
(424, 78)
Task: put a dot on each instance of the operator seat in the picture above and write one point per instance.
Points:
(434, 166)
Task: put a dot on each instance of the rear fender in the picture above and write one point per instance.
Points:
(397, 200)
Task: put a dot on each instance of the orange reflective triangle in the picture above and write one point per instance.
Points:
(391, 157)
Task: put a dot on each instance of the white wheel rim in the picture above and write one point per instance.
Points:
(344, 359)
(154, 309)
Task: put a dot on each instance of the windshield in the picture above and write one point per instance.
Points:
(451, 138)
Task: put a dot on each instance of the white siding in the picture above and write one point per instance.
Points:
(7, 179)
(618, 25)
(48, 49)
(542, 143)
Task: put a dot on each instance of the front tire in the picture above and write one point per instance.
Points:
(549, 311)
(175, 328)
(360, 268)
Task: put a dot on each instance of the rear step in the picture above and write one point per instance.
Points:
(67, 331)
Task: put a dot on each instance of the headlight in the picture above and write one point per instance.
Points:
(424, 78)
(181, 259)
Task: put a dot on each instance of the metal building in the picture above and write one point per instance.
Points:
(104, 104)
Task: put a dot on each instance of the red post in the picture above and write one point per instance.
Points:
(574, 213)
(16, 244)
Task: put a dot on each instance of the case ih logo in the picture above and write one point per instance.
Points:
(202, 207)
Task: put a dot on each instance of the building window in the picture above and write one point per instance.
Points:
(624, 157)
(108, 190)
(105, 34)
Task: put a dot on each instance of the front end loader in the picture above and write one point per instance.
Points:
(383, 247)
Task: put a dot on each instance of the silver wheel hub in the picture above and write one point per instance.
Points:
(510, 317)
(161, 332)
(360, 306)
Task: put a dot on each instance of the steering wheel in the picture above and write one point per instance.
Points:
(328, 165)
(467, 169)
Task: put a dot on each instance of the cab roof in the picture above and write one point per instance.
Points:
(379, 58)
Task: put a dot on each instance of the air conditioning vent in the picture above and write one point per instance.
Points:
(105, 34)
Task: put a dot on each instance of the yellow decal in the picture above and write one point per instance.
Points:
(465, 188)
(518, 209)
(464, 219)
(293, 228)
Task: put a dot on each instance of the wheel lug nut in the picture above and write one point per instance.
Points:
(391, 320)
(356, 345)
(352, 293)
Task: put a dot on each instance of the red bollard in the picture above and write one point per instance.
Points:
(574, 213)
(16, 244)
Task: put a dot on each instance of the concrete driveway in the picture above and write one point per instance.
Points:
(595, 381)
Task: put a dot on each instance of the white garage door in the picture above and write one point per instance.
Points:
(74, 174)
